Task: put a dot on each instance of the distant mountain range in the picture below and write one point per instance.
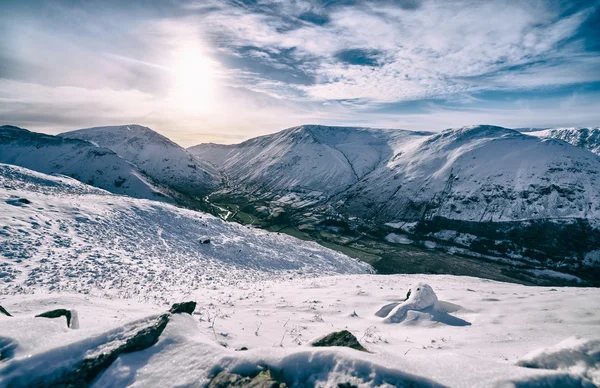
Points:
(529, 199)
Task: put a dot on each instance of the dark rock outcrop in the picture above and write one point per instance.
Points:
(184, 307)
(3, 311)
(57, 314)
(262, 380)
(340, 338)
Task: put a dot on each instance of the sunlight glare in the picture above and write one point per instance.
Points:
(193, 80)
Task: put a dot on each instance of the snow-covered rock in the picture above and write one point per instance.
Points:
(79, 159)
(155, 155)
(421, 297)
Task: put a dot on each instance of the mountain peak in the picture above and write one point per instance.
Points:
(154, 154)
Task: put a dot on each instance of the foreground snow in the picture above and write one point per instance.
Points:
(498, 327)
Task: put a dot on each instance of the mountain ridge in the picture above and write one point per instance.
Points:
(76, 158)
(154, 154)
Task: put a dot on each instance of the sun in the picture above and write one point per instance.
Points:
(193, 80)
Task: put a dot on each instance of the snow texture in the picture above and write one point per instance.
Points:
(277, 320)
(58, 234)
(587, 138)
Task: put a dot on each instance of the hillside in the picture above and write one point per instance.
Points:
(61, 235)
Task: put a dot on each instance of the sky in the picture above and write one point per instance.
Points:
(225, 71)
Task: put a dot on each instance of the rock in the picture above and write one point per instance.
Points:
(3, 311)
(86, 371)
(204, 240)
(184, 307)
(57, 314)
(262, 380)
(340, 338)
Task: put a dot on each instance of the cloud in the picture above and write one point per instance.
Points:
(243, 68)
(431, 48)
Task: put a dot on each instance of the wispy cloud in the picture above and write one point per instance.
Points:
(194, 69)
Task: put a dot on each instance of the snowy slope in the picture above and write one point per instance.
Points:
(76, 158)
(588, 138)
(481, 173)
(309, 158)
(155, 155)
(484, 334)
(60, 235)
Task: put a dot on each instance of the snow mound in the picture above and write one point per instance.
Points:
(421, 307)
(575, 355)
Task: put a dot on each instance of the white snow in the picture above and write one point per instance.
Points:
(576, 355)
(276, 321)
(587, 138)
(82, 160)
(398, 239)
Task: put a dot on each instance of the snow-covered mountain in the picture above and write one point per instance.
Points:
(308, 158)
(479, 173)
(485, 182)
(588, 138)
(79, 159)
(158, 157)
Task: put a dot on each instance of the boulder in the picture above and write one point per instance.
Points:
(71, 315)
(340, 338)
(184, 307)
(262, 380)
